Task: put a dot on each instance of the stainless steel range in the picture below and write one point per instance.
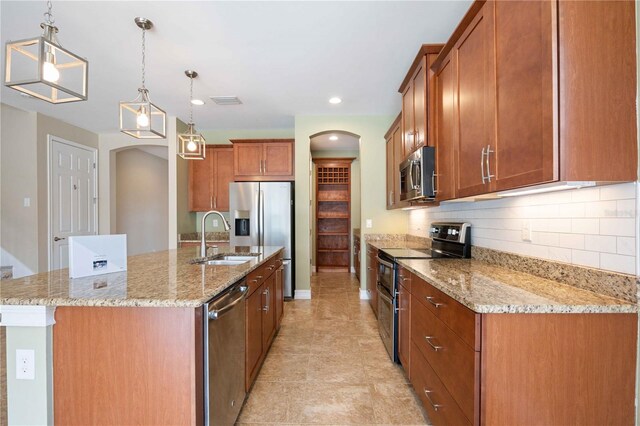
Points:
(449, 240)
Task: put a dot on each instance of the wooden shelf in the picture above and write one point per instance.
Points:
(333, 213)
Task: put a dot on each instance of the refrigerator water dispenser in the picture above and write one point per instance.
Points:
(242, 227)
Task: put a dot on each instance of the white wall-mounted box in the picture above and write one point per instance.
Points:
(97, 255)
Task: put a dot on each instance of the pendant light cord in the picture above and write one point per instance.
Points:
(143, 56)
(191, 103)
(48, 16)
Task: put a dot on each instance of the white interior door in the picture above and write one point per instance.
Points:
(72, 197)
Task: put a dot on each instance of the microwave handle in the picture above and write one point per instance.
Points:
(415, 165)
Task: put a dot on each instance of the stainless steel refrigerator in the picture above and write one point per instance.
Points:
(261, 214)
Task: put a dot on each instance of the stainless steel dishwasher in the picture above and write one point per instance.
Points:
(224, 347)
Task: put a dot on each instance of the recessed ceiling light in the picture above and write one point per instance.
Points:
(333, 138)
(197, 101)
(335, 100)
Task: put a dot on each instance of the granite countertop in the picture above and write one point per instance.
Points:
(398, 243)
(487, 288)
(161, 279)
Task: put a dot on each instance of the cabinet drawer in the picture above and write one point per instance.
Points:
(462, 320)
(256, 278)
(439, 403)
(452, 359)
(404, 278)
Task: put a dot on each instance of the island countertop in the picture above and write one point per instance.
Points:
(160, 279)
(487, 288)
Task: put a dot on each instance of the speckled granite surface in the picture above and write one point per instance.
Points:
(159, 279)
(487, 288)
(620, 286)
(209, 236)
(6, 272)
(398, 241)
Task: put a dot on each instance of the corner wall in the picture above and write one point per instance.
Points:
(372, 182)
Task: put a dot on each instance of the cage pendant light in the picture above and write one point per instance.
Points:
(42, 68)
(191, 145)
(140, 118)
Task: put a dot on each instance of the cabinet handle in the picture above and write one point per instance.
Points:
(436, 348)
(433, 182)
(482, 165)
(215, 201)
(434, 303)
(416, 138)
(266, 306)
(489, 175)
(435, 406)
(210, 202)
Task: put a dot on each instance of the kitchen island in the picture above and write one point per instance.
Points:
(128, 347)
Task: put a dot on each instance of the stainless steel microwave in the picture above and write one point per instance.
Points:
(418, 176)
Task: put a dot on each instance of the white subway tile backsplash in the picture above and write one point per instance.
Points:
(626, 246)
(618, 263)
(623, 227)
(586, 258)
(600, 243)
(585, 226)
(593, 227)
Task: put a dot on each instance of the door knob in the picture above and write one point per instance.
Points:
(58, 238)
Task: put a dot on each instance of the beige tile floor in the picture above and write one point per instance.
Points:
(328, 365)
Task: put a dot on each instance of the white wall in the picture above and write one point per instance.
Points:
(142, 200)
(592, 227)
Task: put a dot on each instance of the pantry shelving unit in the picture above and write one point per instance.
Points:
(333, 213)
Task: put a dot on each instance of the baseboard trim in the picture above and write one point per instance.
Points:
(363, 294)
(353, 270)
(303, 295)
(313, 269)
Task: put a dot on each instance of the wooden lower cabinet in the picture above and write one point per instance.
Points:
(356, 256)
(264, 309)
(128, 365)
(372, 278)
(470, 368)
(404, 327)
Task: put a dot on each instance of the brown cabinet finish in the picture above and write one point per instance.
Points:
(473, 60)
(419, 83)
(372, 278)
(263, 159)
(558, 369)
(408, 121)
(526, 141)
(394, 150)
(254, 348)
(440, 405)
(444, 130)
(209, 179)
(113, 365)
(597, 92)
(279, 295)
(404, 327)
(268, 310)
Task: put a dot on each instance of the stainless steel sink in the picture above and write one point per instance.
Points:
(222, 262)
(225, 260)
(234, 257)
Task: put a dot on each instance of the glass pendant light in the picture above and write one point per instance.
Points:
(140, 118)
(191, 145)
(42, 68)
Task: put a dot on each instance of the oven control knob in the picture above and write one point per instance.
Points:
(450, 231)
(454, 232)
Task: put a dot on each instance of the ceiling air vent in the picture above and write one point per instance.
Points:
(226, 100)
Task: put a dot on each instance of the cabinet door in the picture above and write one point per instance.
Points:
(408, 123)
(223, 172)
(254, 315)
(420, 106)
(278, 159)
(398, 157)
(525, 145)
(268, 311)
(473, 59)
(372, 279)
(279, 296)
(201, 183)
(390, 174)
(404, 328)
(445, 131)
(247, 160)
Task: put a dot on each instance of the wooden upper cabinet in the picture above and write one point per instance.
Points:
(473, 61)
(444, 130)
(390, 173)
(223, 175)
(397, 159)
(417, 100)
(597, 90)
(263, 159)
(526, 144)
(393, 136)
(209, 179)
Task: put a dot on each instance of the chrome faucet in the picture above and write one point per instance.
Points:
(203, 238)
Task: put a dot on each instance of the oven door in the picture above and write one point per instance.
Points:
(386, 320)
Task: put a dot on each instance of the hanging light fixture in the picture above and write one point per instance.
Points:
(42, 68)
(191, 145)
(140, 118)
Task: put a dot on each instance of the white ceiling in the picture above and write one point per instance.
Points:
(345, 142)
(281, 59)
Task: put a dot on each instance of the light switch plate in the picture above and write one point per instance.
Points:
(25, 364)
(215, 223)
(369, 223)
(526, 230)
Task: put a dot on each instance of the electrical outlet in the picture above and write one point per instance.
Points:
(215, 223)
(27, 202)
(526, 230)
(25, 364)
(369, 223)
